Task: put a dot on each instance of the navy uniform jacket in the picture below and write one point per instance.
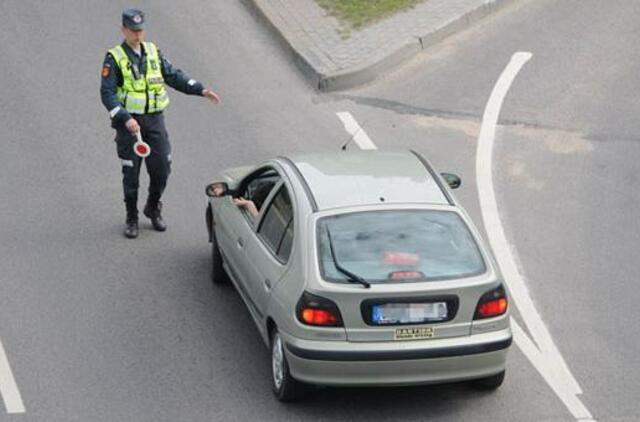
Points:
(112, 78)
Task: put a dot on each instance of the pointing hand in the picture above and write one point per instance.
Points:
(211, 96)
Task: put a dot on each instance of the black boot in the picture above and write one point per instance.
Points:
(152, 210)
(131, 228)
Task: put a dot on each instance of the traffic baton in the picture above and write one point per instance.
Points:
(141, 148)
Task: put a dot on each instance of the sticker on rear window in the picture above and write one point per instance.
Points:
(401, 259)
(405, 275)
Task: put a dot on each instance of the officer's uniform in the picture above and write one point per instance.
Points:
(133, 86)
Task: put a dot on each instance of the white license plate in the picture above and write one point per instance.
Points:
(409, 313)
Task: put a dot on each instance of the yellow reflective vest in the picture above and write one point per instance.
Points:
(146, 94)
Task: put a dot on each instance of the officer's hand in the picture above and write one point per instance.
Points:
(210, 95)
(132, 125)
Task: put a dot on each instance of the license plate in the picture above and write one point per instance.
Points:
(409, 313)
(414, 333)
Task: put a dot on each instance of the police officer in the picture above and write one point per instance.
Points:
(133, 77)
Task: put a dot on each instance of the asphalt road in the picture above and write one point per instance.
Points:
(100, 328)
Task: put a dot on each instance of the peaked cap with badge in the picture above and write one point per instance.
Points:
(133, 19)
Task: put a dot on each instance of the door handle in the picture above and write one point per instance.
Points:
(240, 242)
(267, 283)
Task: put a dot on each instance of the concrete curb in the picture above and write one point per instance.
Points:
(299, 53)
(306, 56)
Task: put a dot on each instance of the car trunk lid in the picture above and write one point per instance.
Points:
(402, 312)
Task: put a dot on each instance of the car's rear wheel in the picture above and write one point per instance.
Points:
(218, 274)
(285, 387)
(490, 383)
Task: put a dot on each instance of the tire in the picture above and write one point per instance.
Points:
(285, 387)
(489, 383)
(218, 274)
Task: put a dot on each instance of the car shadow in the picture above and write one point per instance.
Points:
(240, 360)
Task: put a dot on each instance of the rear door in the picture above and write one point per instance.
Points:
(270, 247)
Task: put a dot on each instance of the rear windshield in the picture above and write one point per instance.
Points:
(398, 246)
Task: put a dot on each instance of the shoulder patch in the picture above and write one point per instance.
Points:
(105, 70)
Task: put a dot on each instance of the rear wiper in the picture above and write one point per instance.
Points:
(351, 277)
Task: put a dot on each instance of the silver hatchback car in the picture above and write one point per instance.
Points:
(359, 268)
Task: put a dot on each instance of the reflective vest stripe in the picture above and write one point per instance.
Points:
(151, 48)
(118, 54)
(158, 98)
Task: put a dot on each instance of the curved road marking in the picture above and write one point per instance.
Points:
(8, 387)
(540, 350)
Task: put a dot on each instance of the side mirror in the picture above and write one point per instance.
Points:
(217, 189)
(453, 180)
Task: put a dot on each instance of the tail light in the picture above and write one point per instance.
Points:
(318, 311)
(492, 304)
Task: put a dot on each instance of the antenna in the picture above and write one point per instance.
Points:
(351, 138)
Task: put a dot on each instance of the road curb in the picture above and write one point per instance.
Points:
(298, 52)
(312, 61)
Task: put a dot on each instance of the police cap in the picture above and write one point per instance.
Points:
(133, 19)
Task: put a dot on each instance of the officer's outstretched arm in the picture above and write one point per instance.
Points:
(177, 79)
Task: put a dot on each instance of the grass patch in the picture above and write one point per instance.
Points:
(359, 13)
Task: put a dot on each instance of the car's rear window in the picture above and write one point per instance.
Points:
(398, 246)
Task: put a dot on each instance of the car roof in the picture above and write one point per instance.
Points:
(365, 177)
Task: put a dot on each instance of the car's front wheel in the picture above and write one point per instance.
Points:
(218, 274)
(490, 383)
(285, 387)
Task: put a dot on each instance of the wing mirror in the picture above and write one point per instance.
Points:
(453, 180)
(217, 189)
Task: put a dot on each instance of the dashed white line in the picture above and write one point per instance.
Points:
(8, 387)
(357, 133)
(545, 357)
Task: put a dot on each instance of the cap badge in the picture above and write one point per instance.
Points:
(137, 19)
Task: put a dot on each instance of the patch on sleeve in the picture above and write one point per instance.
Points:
(191, 82)
(105, 70)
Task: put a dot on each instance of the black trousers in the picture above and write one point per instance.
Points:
(158, 162)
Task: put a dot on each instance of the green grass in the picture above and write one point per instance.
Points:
(356, 14)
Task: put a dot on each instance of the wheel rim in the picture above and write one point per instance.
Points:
(277, 361)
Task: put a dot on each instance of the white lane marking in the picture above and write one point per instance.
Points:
(357, 133)
(8, 387)
(554, 379)
(545, 357)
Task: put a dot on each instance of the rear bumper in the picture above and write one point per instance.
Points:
(398, 363)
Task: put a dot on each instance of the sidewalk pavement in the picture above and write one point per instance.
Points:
(334, 61)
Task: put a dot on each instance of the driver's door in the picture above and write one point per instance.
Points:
(235, 227)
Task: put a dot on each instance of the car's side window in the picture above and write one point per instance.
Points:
(255, 190)
(276, 229)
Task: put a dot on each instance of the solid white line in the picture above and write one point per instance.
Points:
(554, 379)
(556, 372)
(357, 133)
(8, 387)
(545, 357)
